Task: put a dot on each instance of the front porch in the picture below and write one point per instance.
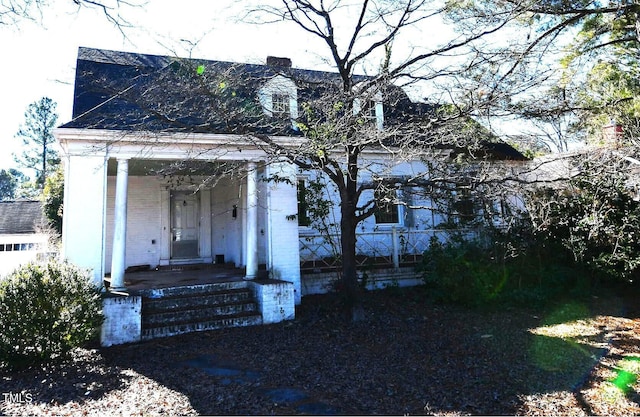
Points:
(179, 299)
(143, 277)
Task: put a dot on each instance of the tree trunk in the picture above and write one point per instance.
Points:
(44, 164)
(348, 223)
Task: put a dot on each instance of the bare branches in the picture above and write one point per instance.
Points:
(13, 11)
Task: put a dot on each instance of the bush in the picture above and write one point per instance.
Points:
(457, 271)
(45, 311)
(497, 270)
(597, 221)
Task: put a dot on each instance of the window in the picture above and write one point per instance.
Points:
(387, 209)
(369, 111)
(19, 247)
(463, 205)
(303, 206)
(280, 105)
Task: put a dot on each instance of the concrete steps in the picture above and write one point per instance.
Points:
(177, 310)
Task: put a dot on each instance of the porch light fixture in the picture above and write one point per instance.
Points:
(234, 211)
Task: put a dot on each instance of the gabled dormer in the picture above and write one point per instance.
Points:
(279, 95)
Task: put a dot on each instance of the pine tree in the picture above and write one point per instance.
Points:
(9, 179)
(37, 136)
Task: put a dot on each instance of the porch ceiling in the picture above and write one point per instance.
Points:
(151, 167)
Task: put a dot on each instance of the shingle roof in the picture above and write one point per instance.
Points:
(21, 216)
(130, 91)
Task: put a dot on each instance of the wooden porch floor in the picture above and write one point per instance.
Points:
(181, 275)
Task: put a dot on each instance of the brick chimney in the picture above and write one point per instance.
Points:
(278, 62)
(612, 133)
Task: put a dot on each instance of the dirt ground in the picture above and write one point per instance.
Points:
(410, 356)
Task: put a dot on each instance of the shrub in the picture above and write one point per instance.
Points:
(597, 221)
(45, 311)
(496, 269)
(458, 271)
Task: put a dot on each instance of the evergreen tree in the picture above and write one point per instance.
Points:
(53, 197)
(37, 136)
(10, 179)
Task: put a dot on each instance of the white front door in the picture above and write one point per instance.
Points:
(185, 224)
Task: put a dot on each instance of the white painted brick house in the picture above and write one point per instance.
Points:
(120, 211)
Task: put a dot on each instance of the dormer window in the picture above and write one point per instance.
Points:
(280, 105)
(279, 98)
(371, 110)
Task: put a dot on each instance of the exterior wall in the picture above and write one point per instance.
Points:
(282, 231)
(30, 247)
(143, 221)
(84, 212)
(384, 278)
(412, 232)
(205, 226)
(226, 221)
(263, 208)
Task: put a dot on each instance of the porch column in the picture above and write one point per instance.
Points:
(252, 221)
(118, 257)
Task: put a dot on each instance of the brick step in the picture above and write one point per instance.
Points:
(192, 290)
(176, 310)
(236, 320)
(186, 301)
(195, 313)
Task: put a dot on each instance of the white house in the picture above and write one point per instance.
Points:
(122, 210)
(23, 236)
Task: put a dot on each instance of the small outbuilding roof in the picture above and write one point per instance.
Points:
(20, 217)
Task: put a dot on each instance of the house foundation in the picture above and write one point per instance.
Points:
(161, 312)
(122, 319)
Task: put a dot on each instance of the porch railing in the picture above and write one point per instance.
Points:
(392, 247)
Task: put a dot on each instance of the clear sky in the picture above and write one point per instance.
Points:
(38, 59)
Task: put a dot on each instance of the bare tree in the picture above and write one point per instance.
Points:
(13, 11)
(338, 121)
(339, 152)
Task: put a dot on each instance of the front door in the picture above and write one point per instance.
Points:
(185, 224)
